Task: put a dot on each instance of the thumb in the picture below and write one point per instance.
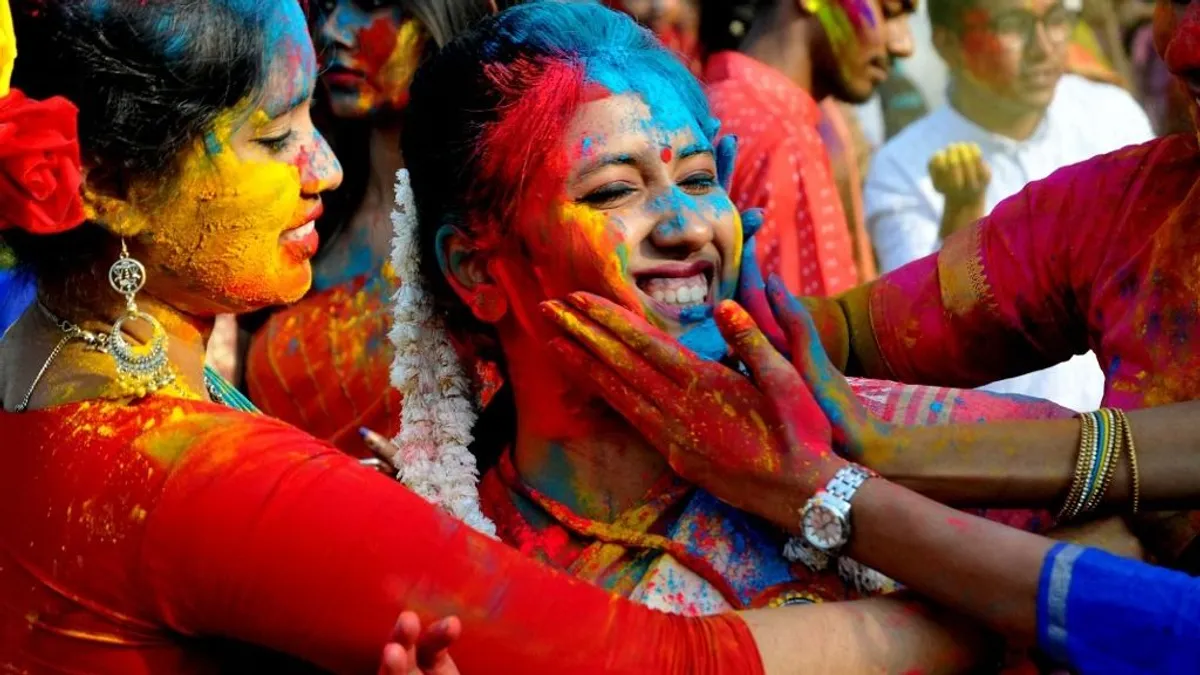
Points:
(776, 378)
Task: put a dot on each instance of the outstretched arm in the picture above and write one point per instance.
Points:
(266, 536)
(1076, 602)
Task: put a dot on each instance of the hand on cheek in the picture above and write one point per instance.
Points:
(712, 424)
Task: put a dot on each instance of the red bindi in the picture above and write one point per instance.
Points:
(666, 155)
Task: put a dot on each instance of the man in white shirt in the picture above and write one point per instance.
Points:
(1009, 97)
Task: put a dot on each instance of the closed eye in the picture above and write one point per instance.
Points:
(607, 195)
(700, 183)
(276, 144)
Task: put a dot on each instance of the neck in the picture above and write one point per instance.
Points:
(786, 46)
(998, 117)
(385, 160)
(371, 223)
(573, 449)
(77, 374)
(367, 239)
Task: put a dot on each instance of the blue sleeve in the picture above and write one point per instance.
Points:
(1102, 614)
(16, 293)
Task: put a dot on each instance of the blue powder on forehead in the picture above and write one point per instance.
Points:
(672, 94)
(613, 51)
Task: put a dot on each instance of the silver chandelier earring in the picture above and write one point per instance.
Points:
(140, 369)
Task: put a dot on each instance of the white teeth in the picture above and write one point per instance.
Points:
(300, 232)
(683, 292)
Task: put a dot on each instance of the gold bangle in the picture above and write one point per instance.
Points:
(1134, 478)
(1110, 441)
(1083, 463)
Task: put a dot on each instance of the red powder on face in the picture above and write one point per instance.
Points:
(539, 102)
(666, 155)
(376, 43)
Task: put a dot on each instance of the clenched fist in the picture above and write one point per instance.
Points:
(960, 173)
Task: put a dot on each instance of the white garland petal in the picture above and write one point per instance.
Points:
(437, 414)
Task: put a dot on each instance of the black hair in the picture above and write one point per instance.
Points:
(143, 93)
(725, 23)
(948, 13)
(493, 67)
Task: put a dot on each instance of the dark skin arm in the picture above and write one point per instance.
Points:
(997, 464)
(896, 531)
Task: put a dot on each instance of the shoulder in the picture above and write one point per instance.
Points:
(170, 429)
(1156, 163)
(1093, 105)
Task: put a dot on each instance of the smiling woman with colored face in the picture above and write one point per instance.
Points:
(150, 521)
(583, 160)
(643, 208)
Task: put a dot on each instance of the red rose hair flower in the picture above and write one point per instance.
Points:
(39, 165)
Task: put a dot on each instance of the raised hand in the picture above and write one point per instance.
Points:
(855, 430)
(960, 173)
(415, 651)
(713, 425)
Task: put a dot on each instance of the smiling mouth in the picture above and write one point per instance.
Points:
(672, 290)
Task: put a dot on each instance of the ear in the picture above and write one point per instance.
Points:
(469, 272)
(109, 208)
(948, 46)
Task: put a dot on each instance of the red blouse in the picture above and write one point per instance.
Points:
(1102, 255)
(132, 534)
(783, 167)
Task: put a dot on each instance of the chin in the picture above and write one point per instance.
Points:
(856, 92)
(348, 107)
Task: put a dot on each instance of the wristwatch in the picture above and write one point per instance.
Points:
(825, 519)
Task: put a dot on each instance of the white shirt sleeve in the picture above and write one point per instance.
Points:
(903, 227)
(1134, 123)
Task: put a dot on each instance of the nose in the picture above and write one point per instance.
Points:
(321, 171)
(681, 229)
(338, 28)
(899, 37)
(1040, 44)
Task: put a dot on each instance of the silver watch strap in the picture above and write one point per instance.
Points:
(846, 482)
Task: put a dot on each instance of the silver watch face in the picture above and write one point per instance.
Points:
(824, 528)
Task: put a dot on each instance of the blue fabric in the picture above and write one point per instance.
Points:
(16, 294)
(1101, 614)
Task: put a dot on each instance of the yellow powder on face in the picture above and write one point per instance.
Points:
(397, 72)
(595, 258)
(213, 244)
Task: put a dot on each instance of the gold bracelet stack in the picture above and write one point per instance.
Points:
(1104, 437)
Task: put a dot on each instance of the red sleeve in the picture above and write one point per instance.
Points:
(805, 237)
(1008, 296)
(267, 536)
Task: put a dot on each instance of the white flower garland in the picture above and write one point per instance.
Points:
(437, 415)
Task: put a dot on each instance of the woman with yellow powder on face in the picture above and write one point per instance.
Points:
(149, 520)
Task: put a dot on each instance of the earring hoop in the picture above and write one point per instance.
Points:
(145, 369)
